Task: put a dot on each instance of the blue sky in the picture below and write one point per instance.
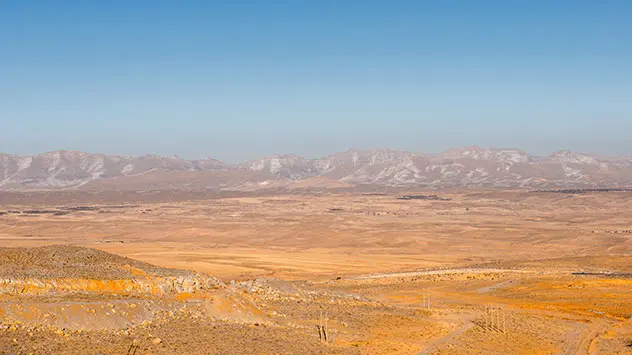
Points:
(237, 80)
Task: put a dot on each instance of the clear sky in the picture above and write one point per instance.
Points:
(237, 80)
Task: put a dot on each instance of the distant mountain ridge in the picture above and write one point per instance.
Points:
(463, 167)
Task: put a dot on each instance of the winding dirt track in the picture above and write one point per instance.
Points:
(434, 345)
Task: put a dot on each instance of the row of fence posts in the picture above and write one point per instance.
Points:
(425, 300)
(323, 336)
(495, 319)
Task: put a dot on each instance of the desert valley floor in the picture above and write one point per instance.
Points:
(441, 272)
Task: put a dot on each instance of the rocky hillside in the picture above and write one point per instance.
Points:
(63, 269)
(465, 167)
(62, 169)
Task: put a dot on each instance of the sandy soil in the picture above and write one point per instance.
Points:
(522, 252)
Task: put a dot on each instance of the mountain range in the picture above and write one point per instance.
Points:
(464, 167)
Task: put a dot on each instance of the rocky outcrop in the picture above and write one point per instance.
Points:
(137, 286)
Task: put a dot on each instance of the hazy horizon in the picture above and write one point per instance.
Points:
(312, 157)
(241, 81)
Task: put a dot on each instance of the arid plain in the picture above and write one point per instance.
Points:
(440, 272)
